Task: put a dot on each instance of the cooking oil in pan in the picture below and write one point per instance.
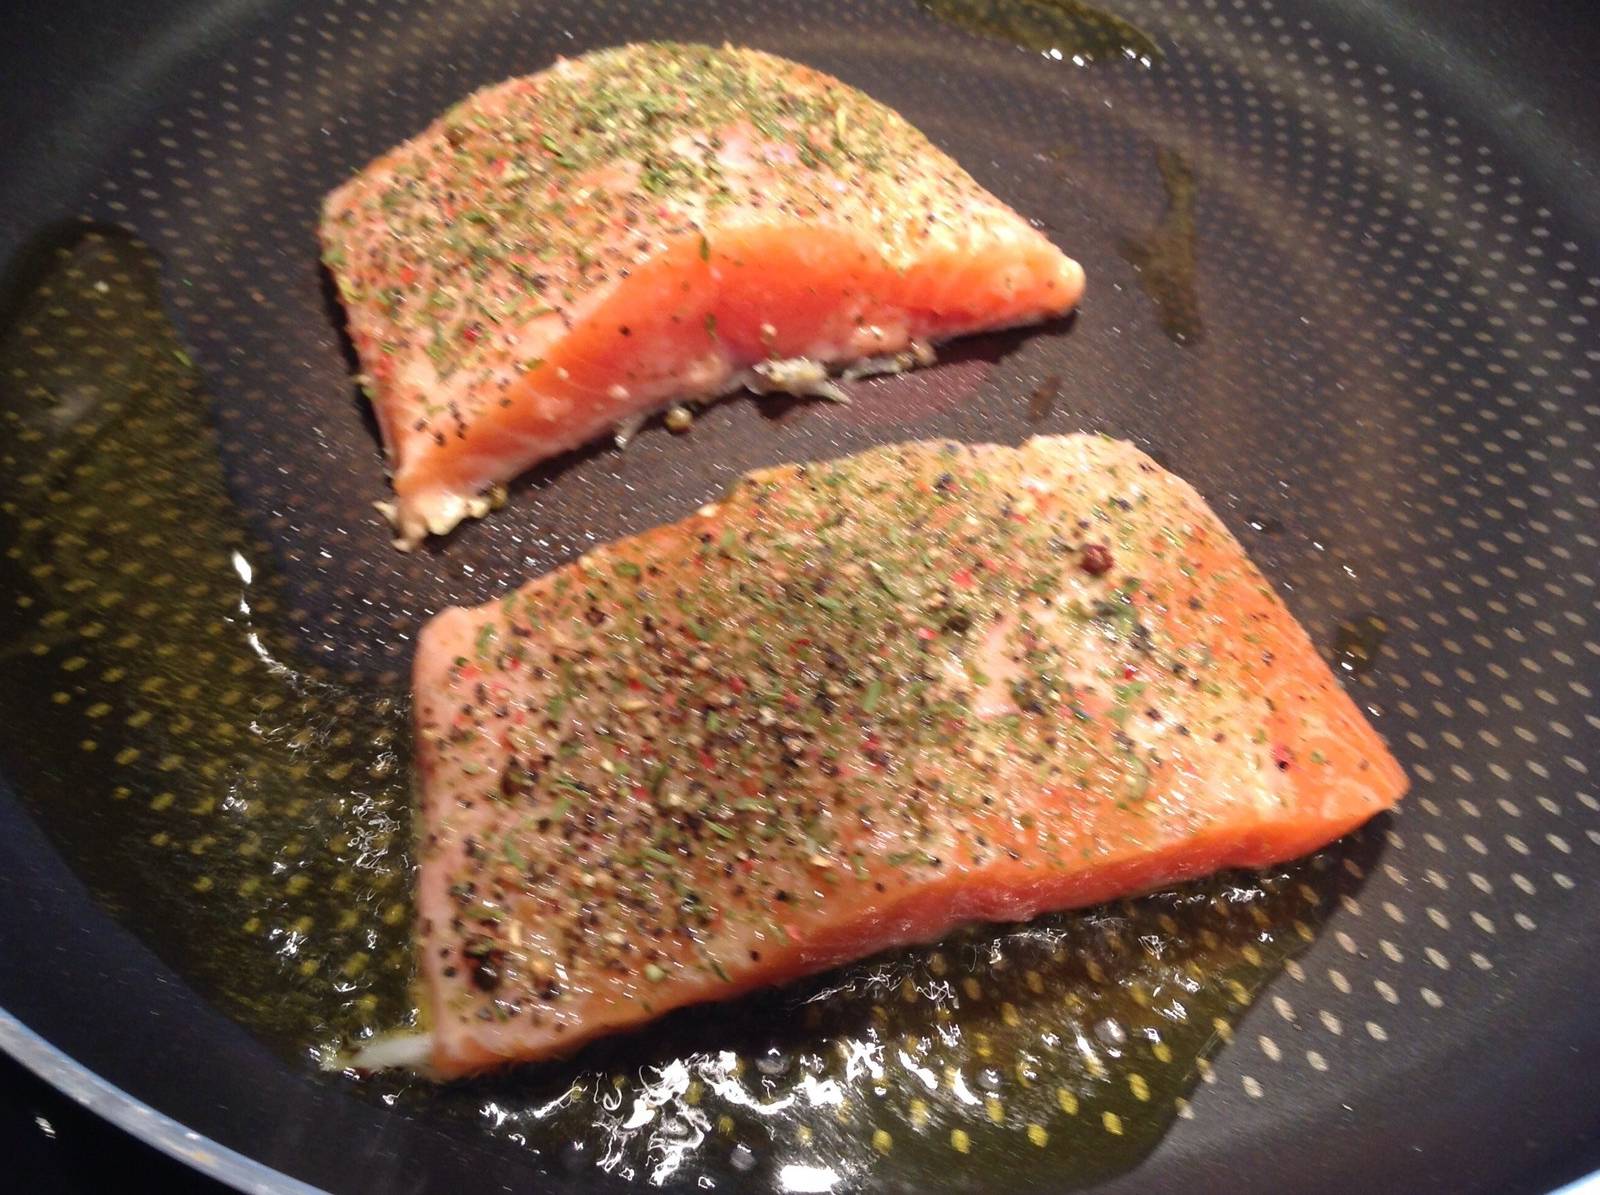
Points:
(240, 809)
(247, 814)
(1164, 256)
(1356, 643)
(1057, 1054)
(1066, 30)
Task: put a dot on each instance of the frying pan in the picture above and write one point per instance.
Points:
(1345, 267)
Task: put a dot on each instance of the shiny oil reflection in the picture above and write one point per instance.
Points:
(1061, 1049)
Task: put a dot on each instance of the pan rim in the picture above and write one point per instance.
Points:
(53, 1065)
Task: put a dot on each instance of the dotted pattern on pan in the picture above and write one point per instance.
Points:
(1391, 399)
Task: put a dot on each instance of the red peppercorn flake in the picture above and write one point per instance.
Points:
(1096, 560)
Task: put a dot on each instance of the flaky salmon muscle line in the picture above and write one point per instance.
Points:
(851, 706)
(560, 255)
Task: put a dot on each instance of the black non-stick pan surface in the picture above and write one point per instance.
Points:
(1344, 265)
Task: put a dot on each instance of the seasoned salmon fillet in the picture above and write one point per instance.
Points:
(562, 254)
(850, 706)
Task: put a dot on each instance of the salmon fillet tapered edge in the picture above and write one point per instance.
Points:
(851, 706)
(562, 254)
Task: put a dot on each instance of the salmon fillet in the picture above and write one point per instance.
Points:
(560, 255)
(848, 707)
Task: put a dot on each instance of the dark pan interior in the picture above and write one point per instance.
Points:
(1344, 265)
